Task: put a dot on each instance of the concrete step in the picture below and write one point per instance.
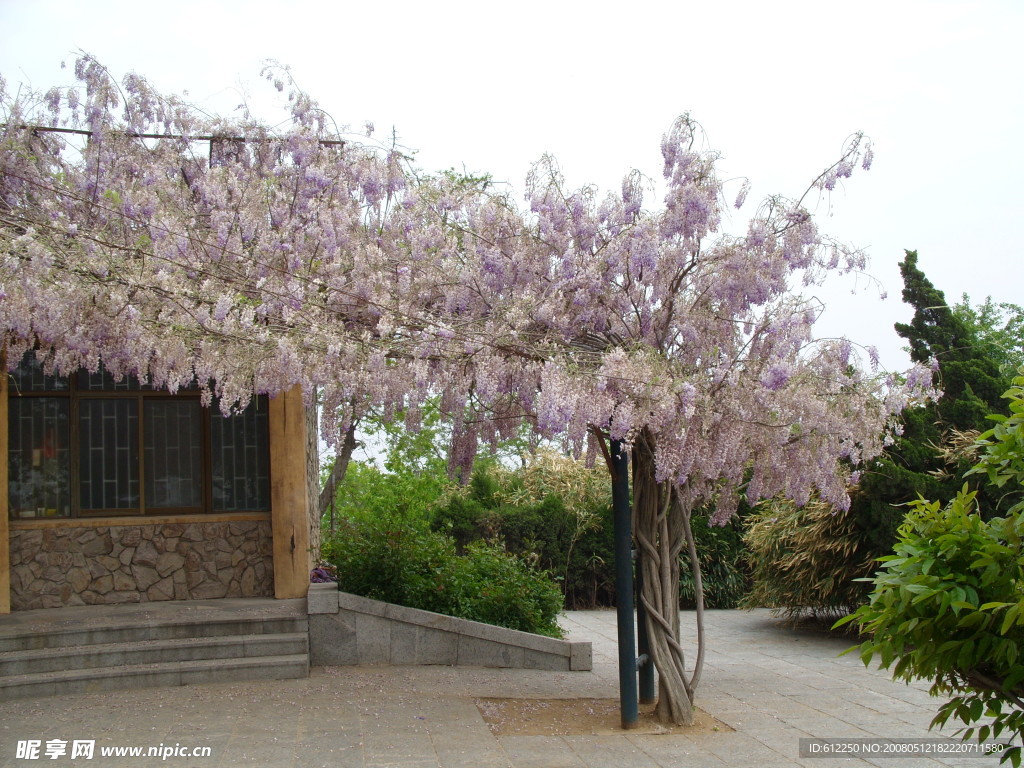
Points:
(99, 648)
(136, 622)
(152, 652)
(94, 679)
(77, 637)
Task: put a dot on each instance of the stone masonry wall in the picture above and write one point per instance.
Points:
(56, 567)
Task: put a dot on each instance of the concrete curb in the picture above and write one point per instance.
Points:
(347, 630)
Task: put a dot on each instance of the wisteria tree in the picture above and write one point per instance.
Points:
(175, 246)
(611, 323)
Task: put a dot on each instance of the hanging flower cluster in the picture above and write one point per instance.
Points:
(176, 247)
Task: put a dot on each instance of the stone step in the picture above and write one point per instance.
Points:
(41, 684)
(98, 648)
(152, 652)
(77, 638)
(77, 627)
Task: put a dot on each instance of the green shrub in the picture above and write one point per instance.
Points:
(807, 559)
(554, 512)
(467, 514)
(499, 588)
(557, 514)
(397, 558)
(578, 550)
(369, 492)
(391, 558)
(723, 566)
(948, 606)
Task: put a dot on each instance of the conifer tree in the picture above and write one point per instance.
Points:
(972, 383)
(970, 380)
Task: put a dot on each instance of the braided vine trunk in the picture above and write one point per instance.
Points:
(661, 527)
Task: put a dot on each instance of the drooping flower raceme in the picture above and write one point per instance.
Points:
(259, 262)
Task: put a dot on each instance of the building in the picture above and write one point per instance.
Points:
(113, 492)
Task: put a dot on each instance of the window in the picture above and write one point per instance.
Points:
(86, 445)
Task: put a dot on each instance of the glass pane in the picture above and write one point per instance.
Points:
(108, 454)
(101, 381)
(172, 440)
(29, 377)
(241, 460)
(38, 457)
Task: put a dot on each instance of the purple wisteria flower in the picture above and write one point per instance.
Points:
(775, 378)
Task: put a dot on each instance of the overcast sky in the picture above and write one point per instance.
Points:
(490, 87)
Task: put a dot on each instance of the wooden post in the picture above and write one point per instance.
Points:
(5, 534)
(289, 497)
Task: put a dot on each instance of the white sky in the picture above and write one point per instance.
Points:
(490, 87)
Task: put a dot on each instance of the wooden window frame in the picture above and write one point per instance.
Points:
(75, 393)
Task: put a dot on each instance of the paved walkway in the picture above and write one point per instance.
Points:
(768, 684)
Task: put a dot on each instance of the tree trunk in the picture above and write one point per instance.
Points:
(698, 591)
(661, 528)
(330, 489)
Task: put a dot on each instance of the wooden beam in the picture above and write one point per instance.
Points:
(5, 534)
(123, 520)
(289, 497)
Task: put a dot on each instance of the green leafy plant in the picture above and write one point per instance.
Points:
(552, 511)
(1003, 459)
(370, 492)
(948, 606)
(723, 564)
(806, 560)
(499, 588)
(556, 512)
(397, 558)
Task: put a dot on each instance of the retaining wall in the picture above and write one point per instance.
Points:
(346, 629)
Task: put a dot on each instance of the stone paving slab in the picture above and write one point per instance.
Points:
(771, 684)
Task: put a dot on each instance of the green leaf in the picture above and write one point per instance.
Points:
(994, 605)
(919, 589)
(1011, 681)
(1009, 619)
(976, 709)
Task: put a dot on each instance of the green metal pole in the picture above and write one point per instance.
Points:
(645, 666)
(622, 514)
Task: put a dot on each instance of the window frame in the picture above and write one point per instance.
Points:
(74, 393)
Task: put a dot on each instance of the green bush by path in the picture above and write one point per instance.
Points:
(397, 558)
(499, 588)
(948, 606)
(554, 514)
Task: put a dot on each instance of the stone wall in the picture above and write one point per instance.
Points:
(347, 629)
(55, 567)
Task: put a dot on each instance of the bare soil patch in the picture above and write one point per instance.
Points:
(579, 717)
